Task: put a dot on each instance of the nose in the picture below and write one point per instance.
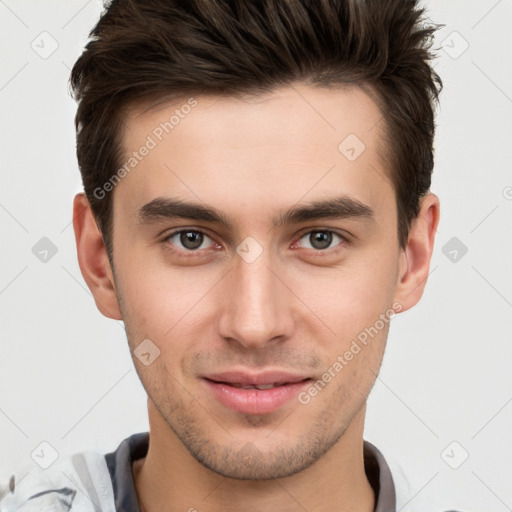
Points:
(257, 308)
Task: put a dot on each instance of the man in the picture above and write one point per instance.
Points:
(256, 211)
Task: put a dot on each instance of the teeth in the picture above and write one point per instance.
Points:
(265, 386)
(255, 386)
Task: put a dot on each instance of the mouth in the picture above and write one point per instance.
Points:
(255, 386)
(250, 393)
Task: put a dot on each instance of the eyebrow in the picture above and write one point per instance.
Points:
(165, 208)
(342, 207)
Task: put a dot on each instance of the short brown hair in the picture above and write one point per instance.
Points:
(142, 50)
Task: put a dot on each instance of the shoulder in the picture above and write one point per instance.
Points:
(78, 482)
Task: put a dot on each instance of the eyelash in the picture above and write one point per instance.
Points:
(199, 252)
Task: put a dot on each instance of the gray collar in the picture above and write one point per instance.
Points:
(120, 462)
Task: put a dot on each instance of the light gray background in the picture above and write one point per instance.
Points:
(66, 374)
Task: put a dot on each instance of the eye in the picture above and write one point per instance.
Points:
(189, 240)
(320, 240)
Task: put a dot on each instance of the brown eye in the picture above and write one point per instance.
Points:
(189, 240)
(320, 240)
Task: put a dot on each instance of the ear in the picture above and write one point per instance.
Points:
(93, 259)
(415, 258)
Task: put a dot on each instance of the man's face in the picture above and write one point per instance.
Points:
(254, 286)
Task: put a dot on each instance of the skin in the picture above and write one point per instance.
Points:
(295, 307)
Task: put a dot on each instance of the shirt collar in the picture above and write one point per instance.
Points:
(136, 446)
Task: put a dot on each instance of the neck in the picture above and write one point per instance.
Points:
(169, 478)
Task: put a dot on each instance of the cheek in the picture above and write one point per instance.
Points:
(349, 299)
(162, 303)
(355, 365)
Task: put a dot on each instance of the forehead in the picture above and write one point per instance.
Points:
(277, 148)
(309, 114)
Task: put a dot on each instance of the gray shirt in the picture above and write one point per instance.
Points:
(95, 482)
(120, 462)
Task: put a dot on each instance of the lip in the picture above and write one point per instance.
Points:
(255, 401)
(252, 378)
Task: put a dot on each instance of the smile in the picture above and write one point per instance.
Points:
(254, 393)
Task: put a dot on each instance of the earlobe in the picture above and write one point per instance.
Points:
(415, 258)
(93, 258)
